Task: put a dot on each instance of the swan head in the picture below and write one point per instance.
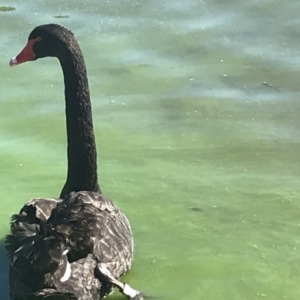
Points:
(46, 40)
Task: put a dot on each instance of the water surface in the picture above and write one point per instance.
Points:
(196, 110)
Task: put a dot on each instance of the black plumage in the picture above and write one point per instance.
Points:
(82, 236)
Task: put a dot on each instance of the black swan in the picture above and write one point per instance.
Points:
(76, 246)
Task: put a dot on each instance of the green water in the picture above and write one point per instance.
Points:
(196, 111)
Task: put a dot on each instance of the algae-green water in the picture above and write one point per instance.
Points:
(196, 108)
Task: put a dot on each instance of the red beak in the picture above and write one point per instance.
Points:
(26, 54)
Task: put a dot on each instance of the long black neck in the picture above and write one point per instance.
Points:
(82, 154)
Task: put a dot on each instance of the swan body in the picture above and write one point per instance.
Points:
(109, 232)
(76, 246)
(40, 267)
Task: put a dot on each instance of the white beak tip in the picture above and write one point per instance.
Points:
(13, 61)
